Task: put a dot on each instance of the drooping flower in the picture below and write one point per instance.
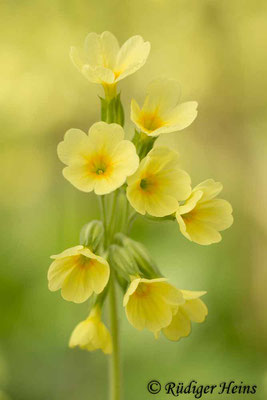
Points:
(202, 217)
(99, 161)
(78, 273)
(149, 303)
(158, 183)
(161, 112)
(103, 61)
(91, 334)
(192, 310)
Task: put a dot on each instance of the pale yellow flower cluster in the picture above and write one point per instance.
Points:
(151, 179)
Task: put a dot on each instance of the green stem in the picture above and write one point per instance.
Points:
(104, 216)
(110, 115)
(115, 356)
(112, 223)
(131, 221)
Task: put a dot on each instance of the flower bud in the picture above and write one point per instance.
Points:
(92, 235)
(137, 251)
(123, 262)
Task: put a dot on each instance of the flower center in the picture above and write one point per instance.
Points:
(148, 184)
(99, 165)
(151, 121)
(85, 262)
(190, 216)
(142, 290)
(143, 184)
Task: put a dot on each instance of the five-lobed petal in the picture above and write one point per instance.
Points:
(202, 217)
(78, 273)
(158, 183)
(161, 111)
(99, 161)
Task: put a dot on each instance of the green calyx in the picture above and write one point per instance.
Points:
(112, 110)
(143, 143)
(92, 236)
(140, 261)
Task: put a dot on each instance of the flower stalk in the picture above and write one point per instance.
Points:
(132, 178)
(115, 370)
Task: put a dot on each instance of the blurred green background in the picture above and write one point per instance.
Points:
(217, 51)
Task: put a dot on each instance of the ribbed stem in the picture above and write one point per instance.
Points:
(115, 374)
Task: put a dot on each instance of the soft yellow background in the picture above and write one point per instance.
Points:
(217, 51)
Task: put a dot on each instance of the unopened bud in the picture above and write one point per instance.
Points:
(92, 235)
(145, 264)
(123, 262)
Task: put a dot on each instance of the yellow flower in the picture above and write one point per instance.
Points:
(150, 303)
(78, 273)
(103, 61)
(161, 112)
(92, 334)
(192, 310)
(202, 216)
(99, 161)
(158, 183)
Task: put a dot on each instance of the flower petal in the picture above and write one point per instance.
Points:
(78, 285)
(136, 198)
(217, 213)
(102, 340)
(73, 147)
(78, 58)
(135, 113)
(82, 334)
(179, 327)
(72, 251)
(162, 95)
(105, 136)
(210, 189)
(160, 205)
(181, 116)
(132, 56)
(196, 310)
(80, 177)
(192, 294)
(101, 50)
(98, 74)
(169, 293)
(99, 275)
(125, 159)
(58, 271)
(201, 232)
(190, 203)
(131, 289)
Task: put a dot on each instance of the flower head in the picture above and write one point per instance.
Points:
(192, 310)
(158, 183)
(149, 303)
(161, 112)
(103, 61)
(99, 161)
(78, 273)
(202, 217)
(92, 334)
